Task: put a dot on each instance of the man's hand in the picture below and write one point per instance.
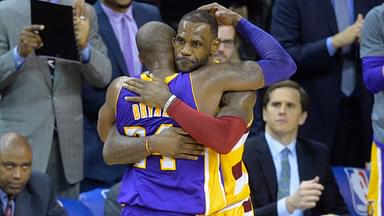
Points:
(306, 196)
(153, 93)
(223, 15)
(349, 35)
(81, 23)
(30, 40)
(175, 143)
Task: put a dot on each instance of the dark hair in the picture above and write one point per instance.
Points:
(304, 101)
(198, 16)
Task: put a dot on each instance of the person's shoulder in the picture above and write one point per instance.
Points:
(313, 145)
(39, 184)
(118, 82)
(39, 178)
(151, 12)
(253, 143)
(375, 13)
(144, 6)
(114, 88)
(9, 3)
(256, 138)
(10, 6)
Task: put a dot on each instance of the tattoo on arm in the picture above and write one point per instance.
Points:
(119, 149)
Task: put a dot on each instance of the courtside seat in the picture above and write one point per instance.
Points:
(94, 200)
(75, 207)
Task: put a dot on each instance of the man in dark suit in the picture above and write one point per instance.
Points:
(289, 175)
(109, 15)
(23, 192)
(322, 36)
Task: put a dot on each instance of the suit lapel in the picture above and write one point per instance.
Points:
(265, 159)
(304, 161)
(329, 14)
(23, 204)
(138, 15)
(109, 37)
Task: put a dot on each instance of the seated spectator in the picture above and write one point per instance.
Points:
(289, 175)
(23, 192)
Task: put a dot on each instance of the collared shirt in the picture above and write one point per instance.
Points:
(329, 42)
(4, 201)
(276, 149)
(115, 19)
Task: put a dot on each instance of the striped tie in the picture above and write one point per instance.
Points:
(285, 175)
(8, 210)
(348, 76)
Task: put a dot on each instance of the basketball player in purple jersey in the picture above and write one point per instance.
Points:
(191, 103)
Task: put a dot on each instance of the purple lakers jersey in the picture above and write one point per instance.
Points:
(158, 183)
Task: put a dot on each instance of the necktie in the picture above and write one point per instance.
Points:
(285, 175)
(348, 71)
(8, 209)
(127, 46)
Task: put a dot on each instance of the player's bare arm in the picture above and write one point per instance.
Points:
(274, 59)
(117, 152)
(227, 128)
(172, 142)
(119, 149)
(238, 104)
(107, 111)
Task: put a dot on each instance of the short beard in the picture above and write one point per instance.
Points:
(116, 6)
(121, 6)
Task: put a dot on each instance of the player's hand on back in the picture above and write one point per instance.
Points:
(223, 15)
(176, 143)
(153, 93)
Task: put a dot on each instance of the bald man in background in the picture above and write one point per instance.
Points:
(22, 191)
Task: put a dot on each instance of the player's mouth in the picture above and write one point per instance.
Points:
(185, 63)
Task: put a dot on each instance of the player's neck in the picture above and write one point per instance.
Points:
(161, 69)
(162, 72)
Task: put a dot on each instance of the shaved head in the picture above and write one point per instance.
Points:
(15, 163)
(14, 140)
(154, 42)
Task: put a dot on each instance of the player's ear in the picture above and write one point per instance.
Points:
(215, 46)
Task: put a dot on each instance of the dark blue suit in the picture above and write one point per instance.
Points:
(37, 198)
(313, 160)
(93, 98)
(302, 27)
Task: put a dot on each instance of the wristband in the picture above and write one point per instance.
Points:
(169, 101)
